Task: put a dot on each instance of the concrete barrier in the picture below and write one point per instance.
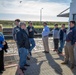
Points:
(8, 32)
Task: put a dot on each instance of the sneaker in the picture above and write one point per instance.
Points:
(64, 63)
(72, 66)
(1, 72)
(45, 51)
(60, 53)
(27, 65)
(28, 58)
(55, 50)
(23, 69)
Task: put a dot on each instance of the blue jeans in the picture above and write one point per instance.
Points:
(32, 44)
(62, 42)
(23, 52)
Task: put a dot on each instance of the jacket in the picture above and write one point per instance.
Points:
(31, 34)
(71, 36)
(55, 33)
(22, 39)
(62, 34)
(14, 32)
(1, 41)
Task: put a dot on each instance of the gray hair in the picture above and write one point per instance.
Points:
(22, 23)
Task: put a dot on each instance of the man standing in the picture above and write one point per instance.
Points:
(69, 46)
(31, 32)
(23, 45)
(55, 33)
(62, 37)
(45, 34)
(16, 29)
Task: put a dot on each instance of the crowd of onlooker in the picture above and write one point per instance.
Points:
(62, 39)
(24, 38)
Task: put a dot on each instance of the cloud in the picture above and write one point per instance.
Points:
(32, 7)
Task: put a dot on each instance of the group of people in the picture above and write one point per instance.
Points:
(24, 37)
(59, 35)
(67, 40)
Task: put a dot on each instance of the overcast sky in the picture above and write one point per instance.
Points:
(30, 9)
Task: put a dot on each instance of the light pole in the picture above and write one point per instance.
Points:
(41, 14)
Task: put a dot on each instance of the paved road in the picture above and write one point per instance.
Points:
(44, 64)
(40, 63)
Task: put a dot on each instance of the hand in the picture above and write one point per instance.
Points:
(36, 32)
(30, 30)
(75, 44)
(4, 43)
(0, 48)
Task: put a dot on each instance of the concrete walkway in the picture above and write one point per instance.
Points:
(44, 64)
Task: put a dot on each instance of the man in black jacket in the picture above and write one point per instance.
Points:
(31, 32)
(62, 38)
(24, 45)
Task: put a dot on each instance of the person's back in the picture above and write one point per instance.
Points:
(56, 33)
(56, 37)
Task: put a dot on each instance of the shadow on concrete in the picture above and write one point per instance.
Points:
(53, 64)
(34, 68)
(60, 57)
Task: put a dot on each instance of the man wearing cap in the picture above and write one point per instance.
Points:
(45, 34)
(69, 46)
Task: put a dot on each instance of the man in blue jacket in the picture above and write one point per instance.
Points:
(23, 45)
(69, 46)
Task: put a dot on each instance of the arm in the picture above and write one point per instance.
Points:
(13, 33)
(1, 34)
(74, 36)
(35, 30)
(52, 31)
(2, 41)
(19, 39)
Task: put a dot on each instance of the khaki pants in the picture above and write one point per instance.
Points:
(45, 43)
(69, 52)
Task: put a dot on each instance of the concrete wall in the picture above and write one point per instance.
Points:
(72, 9)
